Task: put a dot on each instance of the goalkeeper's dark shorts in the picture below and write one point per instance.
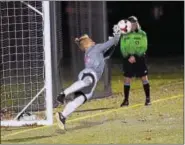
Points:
(137, 69)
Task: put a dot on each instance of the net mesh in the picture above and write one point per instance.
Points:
(22, 53)
(22, 57)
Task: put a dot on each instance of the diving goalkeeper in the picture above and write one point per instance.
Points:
(87, 80)
(133, 48)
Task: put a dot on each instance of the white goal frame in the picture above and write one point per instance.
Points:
(48, 74)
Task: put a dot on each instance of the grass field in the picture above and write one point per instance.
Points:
(102, 121)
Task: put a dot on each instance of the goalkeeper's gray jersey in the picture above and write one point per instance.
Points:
(94, 56)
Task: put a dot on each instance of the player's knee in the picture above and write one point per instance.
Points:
(79, 94)
(144, 80)
(88, 80)
(127, 81)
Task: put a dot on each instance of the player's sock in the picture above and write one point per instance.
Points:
(78, 85)
(73, 105)
(126, 94)
(126, 90)
(146, 87)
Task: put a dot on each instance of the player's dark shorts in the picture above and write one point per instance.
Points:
(137, 69)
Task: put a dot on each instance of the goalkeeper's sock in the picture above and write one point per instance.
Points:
(126, 91)
(73, 105)
(78, 85)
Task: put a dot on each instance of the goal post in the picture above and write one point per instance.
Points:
(48, 68)
(26, 74)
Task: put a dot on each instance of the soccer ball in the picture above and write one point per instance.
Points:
(26, 116)
(125, 26)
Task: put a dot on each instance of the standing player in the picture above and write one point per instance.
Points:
(87, 80)
(133, 48)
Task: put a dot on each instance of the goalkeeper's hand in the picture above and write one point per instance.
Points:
(110, 37)
(116, 34)
(116, 30)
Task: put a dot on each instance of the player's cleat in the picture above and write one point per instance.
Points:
(147, 102)
(125, 103)
(60, 120)
(61, 98)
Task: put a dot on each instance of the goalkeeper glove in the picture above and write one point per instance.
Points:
(116, 30)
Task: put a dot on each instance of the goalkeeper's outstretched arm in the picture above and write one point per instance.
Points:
(112, 41)
(107, 45)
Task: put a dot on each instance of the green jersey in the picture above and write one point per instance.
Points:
(134, 43)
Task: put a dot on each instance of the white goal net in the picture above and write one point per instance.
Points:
(25, 81)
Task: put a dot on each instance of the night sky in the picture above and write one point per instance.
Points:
(165, 32)
(165, 35)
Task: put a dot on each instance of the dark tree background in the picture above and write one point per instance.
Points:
(165, 32)
(162, 21)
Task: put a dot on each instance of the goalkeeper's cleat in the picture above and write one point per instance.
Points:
(61, 98)
(125, 103)
(147, 102)
(60, 120)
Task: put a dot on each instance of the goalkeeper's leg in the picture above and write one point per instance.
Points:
(77, 86)
(80, 98)
(69, 108)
